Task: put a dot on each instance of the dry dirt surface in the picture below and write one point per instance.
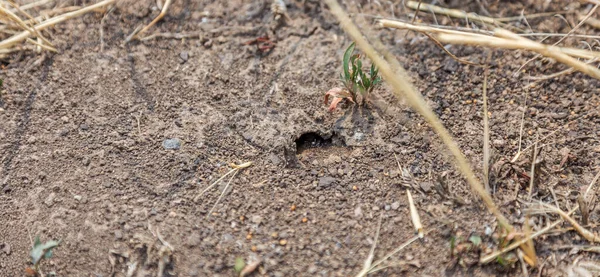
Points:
(107, 146)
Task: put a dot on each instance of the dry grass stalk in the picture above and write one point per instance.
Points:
(523, 265)
(532, 172)
(529, 249)
(235, 170)
(509, 40)
(162, 14)
(519, 243)
(172, 35)
(22, 36)
(403, 89)
(473, 16)
(375, 266)
(369, 260)
(13, 17)
(592, 11)
(414, 215)
(477, 36)
(35, 4)
(591, 21)
(486, 132)
(585, 233)
(591, 185)
(584, 208)
(516, 157)
(251, 267)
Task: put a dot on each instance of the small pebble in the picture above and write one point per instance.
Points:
(488, 231)
(184, 56)
(256, 219)
(283, 242)
(50, 199)
(172, 144)
(395, 205)
(6, 249)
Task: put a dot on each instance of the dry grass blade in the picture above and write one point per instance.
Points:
(473, 16)
(486, 132)
(13, 17)
(585, 233)
(389, 255)
(162, 14)
(589, 188)
(369, 260)
(592, 11)
(529, 249)
(509, 40)
(17, 38)
(249, 268)
(584, 208)
(403, 89)
(414, 215)
(519, 243)
(523, 265)
(236, 169)
(450, 12)
(532, 172)
(35, 4)
(478, 37)
(516, 157)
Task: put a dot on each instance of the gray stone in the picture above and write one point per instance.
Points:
(172, 144)
(395, 205)
(358, 212)
(184, 56)
(326, 181)
(426, 186)
(50, 199)
(256, 219)
(6, 248)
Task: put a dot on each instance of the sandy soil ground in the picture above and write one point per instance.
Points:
(106, 146)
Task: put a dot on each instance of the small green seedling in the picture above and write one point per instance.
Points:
(357, 84)
(39, 252)
(239, 265)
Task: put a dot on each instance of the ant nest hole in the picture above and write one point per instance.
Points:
(312, 140)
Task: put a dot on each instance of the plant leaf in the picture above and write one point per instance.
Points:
(346, 61)
(366, 82)
(373, 70)
(40, 250)
(334, 103)
(239, 264)
(353, 75)
(476, 240)
(338, 94)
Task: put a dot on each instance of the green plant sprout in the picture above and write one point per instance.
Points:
(358, 85)
(39, 252)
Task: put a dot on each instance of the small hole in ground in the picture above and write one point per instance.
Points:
(311, 140)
